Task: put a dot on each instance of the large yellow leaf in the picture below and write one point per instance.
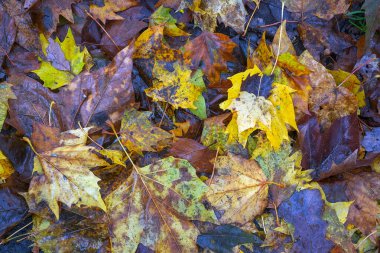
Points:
(238, 190)
(63, 174)
(139, 134)
(177, 88)
(254, 113)
(64, 60)
(155, 206)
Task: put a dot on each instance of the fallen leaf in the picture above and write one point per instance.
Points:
(159, 201)
(8, 27)
(225, 237)
(162, 17)
(210, 51)
(198, 155)
(325, 9)
(5, 94)
(93, 97)
(238, 189)
(281, 43)
(372, 10)
(150, 44)
(139, 134)
(178, 87)
(108, 11)
(328, 101)
(6, 168)
(63, 174)
(262, 56)
(65, 60)
(230, 12)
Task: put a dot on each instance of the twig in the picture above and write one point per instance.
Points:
(250, 19)
(213, 168)
(356, 69)
(279, 42)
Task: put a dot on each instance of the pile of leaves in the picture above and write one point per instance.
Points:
(189, 126)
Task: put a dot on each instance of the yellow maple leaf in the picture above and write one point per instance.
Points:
(254, 113)
(63, 174)
(177, 88)
(64, 60)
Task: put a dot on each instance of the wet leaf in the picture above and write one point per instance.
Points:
(139, 134)
(159, 201)
(178, 88)
(63, 174)
(108, 11)
(238, 189)
(210, 51)
(5, 94)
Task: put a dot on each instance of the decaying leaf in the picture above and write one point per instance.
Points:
(178, 88)
(63, 174)
(154, 207)
(238, 189)
(230, 12)
(162, 17)
(210, 51)
(139, 134)
(327, 101)
(285, 45)
(5, 94)
(65, 60)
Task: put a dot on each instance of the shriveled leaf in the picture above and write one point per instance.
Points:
(154, 207)
(238, 189)
(5, 94)
(108, 11)
(178, 88)
(210, 51)
(162, 17)
(63, 174)
(139, 134)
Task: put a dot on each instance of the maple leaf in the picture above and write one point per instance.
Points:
(108, 11)
(178, 87)
(63, 174)
(325, 9)
(150, 44)
(327, 101)
(5, 94)
(162, 17)
(230, 12)
(238, 189)
(154, 207)
(252, 113)
(134, 128)
(48, 12)
(210, 51)
(6, 168)
(65, 60)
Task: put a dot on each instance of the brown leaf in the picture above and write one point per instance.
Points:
(325, 9)
(93, 97)
(213, 50)
(198, 155)
(364, 189)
